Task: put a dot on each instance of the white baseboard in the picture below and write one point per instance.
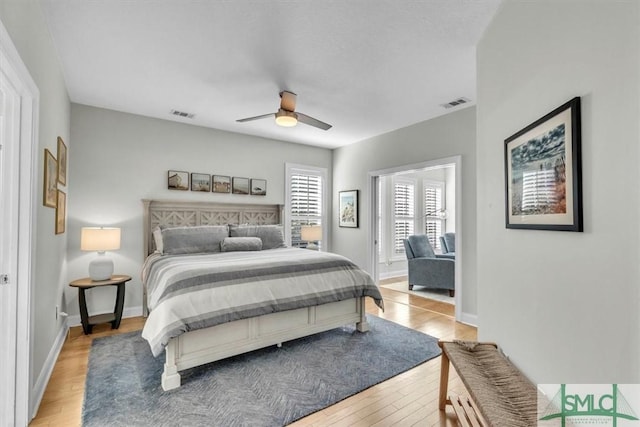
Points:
(43, 379)
(127, 312)
(469, 319)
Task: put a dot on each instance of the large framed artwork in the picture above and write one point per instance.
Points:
(348, 209)
(61, 212)
(543, 172)
(50, 185)
(62, 162)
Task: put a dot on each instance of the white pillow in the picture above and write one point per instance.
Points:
(157, 238)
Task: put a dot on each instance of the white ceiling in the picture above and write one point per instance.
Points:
(365, 66)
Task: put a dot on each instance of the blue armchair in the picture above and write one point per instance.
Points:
(425, 268)
(448, 244)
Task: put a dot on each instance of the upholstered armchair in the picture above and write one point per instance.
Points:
(425, 269)
(448, 244)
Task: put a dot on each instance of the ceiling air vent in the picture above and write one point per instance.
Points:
(182, 114)
(455, 103)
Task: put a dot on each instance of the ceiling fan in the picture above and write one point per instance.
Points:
(287, 116)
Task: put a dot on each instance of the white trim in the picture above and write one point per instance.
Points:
(372, 265)
(468, 319)
(30, 107)
(74, 320)
(47, 369)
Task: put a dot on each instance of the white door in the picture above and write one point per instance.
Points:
(9, 185)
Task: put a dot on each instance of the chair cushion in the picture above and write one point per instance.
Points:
(420, 246)
(450, 241)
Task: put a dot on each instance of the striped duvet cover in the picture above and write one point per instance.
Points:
(188, 292)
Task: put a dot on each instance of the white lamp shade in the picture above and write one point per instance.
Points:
(311, 233)
(99, 239)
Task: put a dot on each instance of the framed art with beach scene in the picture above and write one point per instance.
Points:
(348, 208)
(543, 172)
(50, 185)
(178, 180)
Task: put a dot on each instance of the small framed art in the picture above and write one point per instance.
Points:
(201, 182)
(543, 172)
(62, 162)
(258, 187)
(50, 185)
(178, 180)
(348, 209)
(221, 184)
(61, 212)
(240, 185)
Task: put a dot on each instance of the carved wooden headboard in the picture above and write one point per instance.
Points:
(184, 213)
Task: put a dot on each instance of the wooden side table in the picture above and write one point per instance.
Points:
(115, 317)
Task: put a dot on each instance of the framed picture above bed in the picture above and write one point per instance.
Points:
(221, 184)
(348, 209)
(240, 185)
(258, 187)
(201, 182)
(178, 180)
(543, 172)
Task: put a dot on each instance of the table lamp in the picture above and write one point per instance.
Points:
(100, 239)
(312, 234)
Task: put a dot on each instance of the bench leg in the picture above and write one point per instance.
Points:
(444, 381)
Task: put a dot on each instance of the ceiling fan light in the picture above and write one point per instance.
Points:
(286, 118)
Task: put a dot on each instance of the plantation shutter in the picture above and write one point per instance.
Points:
(433, 205)
(404, 208)
(306, 204)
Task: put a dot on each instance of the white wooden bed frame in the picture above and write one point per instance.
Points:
(207, 345)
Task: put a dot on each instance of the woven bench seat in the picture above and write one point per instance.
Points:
(500, 395)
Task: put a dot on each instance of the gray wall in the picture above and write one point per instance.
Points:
(564, 306)
(120, 159)
(27, 28)
(442, 137)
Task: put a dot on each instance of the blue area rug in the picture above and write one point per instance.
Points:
(268, 387)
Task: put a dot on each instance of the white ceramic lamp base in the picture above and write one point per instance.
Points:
(101, 268)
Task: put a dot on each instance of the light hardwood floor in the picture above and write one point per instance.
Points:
(409, 399)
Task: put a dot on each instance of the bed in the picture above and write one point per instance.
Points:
(253, 293)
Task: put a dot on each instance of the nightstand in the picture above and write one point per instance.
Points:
(113, 318)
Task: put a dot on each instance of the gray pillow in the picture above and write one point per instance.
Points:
(271, 235)
(234, 244)
(191, 240)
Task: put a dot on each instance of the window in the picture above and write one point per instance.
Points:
(305, 202)
(403, 212)
(434, 212)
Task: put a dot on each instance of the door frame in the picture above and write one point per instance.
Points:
(372, 186)
(13, 66)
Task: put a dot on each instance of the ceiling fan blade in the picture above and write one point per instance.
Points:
(303, 118)
(288, 101)
(248, 119)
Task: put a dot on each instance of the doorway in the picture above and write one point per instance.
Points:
(19, 104)
(423, 198)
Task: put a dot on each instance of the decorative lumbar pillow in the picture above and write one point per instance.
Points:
(235, 244)
(272, 236)
(191, 240)
(157, 238)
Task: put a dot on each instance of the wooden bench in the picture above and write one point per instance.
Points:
(499, 394)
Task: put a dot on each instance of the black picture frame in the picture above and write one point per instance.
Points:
(543, 172)
(240, 185)
(177, 180)
(348, 209)
(258, 187)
